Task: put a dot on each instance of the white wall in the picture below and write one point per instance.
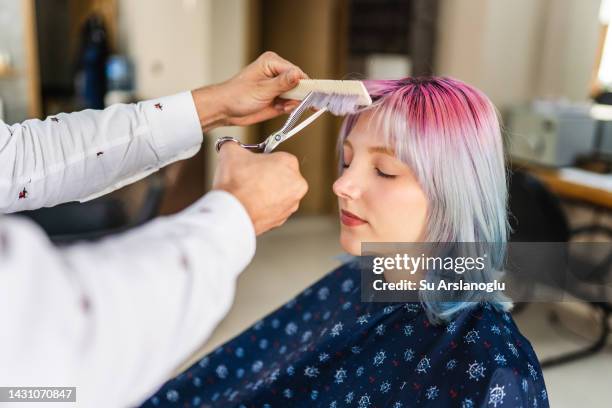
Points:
(179, 45)
(459, 50)
(511, 46)
(573, 31)
(15, 89)
(521, 49)
(169, 43)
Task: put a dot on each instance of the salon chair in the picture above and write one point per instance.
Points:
(95, 219)
(536, 215)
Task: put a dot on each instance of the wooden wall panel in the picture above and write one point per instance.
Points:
(308, 33)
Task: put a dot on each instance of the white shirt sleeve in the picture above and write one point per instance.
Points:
(83, 155)
(114, 318)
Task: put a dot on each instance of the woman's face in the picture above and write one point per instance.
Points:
(379, 197)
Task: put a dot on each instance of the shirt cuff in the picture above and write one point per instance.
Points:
(174, 124)
(228, 210)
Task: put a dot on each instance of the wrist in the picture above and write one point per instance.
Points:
(210, 107)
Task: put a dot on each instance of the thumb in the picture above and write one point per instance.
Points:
(286, 81)
(230, 149)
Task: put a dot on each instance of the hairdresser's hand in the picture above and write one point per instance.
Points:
(251, 96)
(269, 186)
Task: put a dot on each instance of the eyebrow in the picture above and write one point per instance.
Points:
(381, 149)
(374, 149)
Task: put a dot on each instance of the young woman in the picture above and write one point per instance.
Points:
(425, 163)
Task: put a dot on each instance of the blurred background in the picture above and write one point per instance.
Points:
(546, 64)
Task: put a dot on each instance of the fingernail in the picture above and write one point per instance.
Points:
(279, 107)
(292, 75)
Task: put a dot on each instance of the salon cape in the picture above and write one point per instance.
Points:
(116, 317)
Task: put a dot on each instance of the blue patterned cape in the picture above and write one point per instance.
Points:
(326, 348)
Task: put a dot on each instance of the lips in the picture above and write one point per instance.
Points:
(351, 220)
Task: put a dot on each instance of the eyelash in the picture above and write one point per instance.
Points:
(388, 176)
(380, 173)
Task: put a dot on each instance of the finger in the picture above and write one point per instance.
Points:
(303, 188)
(230, 148)
(274, 65)
(279, 103)
(288, 106)
(264, 114)
(287, 159)
(282, 83)
(267, 113)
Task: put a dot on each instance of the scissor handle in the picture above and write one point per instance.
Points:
(221, 140)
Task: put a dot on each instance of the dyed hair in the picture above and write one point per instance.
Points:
(449, 134)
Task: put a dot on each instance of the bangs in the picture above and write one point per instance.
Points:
(387, 118)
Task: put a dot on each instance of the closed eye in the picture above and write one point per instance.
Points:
(384, 175)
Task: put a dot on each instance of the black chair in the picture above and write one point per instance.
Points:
(107, 215)
(536, 215)
(604, 98)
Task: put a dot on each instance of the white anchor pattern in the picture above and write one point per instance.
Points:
(316, 352)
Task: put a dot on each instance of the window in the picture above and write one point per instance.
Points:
(604, 73)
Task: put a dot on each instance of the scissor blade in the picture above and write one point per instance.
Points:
(305, 123)
(274, 142)
(297, 112)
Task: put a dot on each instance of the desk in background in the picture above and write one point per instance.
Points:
(573, 183)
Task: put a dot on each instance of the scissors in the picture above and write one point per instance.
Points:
(288, 130)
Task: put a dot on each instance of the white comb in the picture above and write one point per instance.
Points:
(338, 97)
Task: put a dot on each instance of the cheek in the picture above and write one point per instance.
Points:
(400, 213)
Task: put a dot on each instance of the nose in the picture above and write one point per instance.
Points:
(346, 186)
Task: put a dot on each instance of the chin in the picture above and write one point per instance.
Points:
(350, 244)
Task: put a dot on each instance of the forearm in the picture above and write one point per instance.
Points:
(81, 155)
(210, 107)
